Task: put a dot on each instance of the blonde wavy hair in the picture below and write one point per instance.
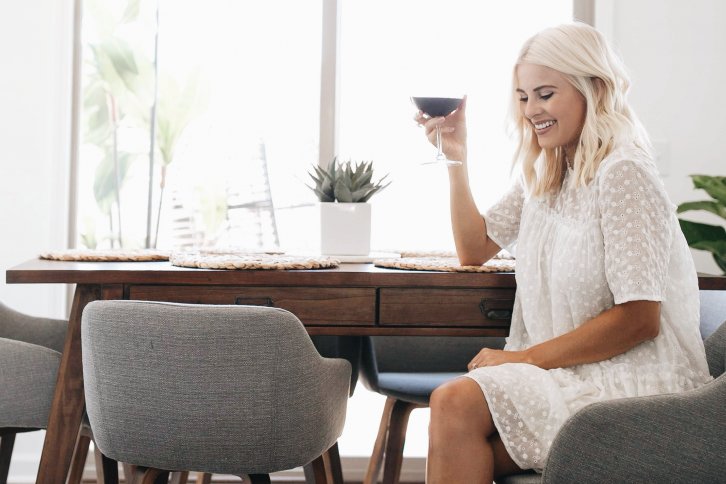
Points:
(583, 56)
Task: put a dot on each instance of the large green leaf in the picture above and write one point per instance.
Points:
(708, 205)
(131, 13)
(130, 77)
(104, 185)
(97, 118)
(698, 232)
(713, 185)
(176, 108)
(717, 247)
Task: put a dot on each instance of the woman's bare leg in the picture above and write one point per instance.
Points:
(503, 463)
(459, 447)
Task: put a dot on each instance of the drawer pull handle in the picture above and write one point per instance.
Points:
(255, 301)
(497, 313)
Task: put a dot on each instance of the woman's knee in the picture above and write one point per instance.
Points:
(460, 398)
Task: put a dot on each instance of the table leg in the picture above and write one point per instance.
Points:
(68, 401)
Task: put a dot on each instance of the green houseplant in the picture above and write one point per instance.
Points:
(706, 236)
(343, 190)
(345, 182)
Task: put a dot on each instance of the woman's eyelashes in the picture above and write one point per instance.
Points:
(544, 97)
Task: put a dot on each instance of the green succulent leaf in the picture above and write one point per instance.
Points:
(342, 192)
(348, 182)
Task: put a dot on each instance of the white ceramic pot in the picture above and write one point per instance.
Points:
(345, 228)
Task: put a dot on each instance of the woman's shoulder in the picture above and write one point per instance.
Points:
(629, 156)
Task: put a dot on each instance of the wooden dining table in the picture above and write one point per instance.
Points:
(352, 299)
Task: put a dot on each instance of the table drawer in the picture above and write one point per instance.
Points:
(446, 307)
(313, 305)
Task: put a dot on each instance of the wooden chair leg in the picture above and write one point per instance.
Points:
(259, 478)
(333, 468)
(144, 475)
(315, 472)
(396, 440)
(179, 477)
(80, 454)
(106, 469)
(204, 478)
(129, 470)
(374, 465)
(7, 442)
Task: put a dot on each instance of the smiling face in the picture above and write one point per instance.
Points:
(552, 105)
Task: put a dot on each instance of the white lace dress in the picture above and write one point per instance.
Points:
(578, 253)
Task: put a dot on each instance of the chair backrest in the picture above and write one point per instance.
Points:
(220, 389)
(46, 332)
(713, 311)
(422, 354)
(716, 351)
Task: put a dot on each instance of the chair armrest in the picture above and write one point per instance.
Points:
(27, 380)
(46, 332)
(662, 438)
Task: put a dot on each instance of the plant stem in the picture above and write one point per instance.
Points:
(152, 138)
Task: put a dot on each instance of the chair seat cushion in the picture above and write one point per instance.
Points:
(412, 387)
(527, 477)
(27, 380)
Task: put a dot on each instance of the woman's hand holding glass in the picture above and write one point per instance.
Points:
(452, 129)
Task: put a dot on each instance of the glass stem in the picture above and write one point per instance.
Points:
(440, 154)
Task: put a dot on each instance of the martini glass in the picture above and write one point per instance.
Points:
(435, 107)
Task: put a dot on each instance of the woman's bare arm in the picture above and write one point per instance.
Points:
(610, 333)
(473, 246)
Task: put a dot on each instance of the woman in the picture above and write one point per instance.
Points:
(607, 299)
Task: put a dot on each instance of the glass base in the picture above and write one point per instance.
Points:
(442, 161)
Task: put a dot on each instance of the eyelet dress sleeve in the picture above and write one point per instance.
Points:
(637, 227)
(502, 219)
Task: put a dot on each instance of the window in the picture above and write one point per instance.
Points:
(238, 115)
(234, 88)
(388, 49)
(234, 92)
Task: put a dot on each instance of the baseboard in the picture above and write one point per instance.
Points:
(24, 469)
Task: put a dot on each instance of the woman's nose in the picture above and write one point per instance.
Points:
(531, 109)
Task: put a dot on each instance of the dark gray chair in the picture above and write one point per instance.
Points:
(406, 369)
(216, 389)
(30, 352)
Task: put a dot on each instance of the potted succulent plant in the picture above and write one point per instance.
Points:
(705, 236)
(343, 190)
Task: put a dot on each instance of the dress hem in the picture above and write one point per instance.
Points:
(505, 440)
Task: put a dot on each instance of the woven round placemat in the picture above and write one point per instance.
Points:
(250, 261)
(503, 254)
(237, 251)
(444, 264)
(110, 255)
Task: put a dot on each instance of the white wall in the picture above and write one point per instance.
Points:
(675, 52)
(34, 85)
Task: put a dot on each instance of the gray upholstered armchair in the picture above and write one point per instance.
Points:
(218, 389)
(673, 438)
(30, 352)
(665, 438)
